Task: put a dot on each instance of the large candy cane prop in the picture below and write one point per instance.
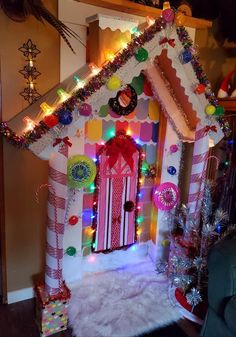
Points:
(55, 227)
(198, 173)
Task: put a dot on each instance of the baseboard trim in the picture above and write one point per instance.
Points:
(20, 295)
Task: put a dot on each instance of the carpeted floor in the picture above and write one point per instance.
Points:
(122, 303)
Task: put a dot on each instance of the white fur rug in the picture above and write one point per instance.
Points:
(121, 303)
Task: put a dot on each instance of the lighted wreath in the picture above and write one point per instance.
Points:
(125, 101)
(81, 171)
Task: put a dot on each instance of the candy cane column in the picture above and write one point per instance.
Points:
(56, 217)
(198, 173)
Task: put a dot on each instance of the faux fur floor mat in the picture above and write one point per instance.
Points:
(121, 303)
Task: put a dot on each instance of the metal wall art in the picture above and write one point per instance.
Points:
(30, 72)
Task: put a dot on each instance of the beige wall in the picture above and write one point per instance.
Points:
(25, 219)
(217, 60)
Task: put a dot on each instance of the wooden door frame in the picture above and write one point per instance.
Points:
(3, 278)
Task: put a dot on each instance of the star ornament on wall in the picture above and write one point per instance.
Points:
(29, 49)
(30, 95)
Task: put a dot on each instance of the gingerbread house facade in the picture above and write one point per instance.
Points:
(112, 140)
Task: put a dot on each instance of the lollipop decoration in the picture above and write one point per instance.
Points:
(166, 196)
(81, 171)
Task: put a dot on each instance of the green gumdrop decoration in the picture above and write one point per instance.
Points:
(71, 251)
(141, 55)
(103, 112)
(138, 84)
(219, 110)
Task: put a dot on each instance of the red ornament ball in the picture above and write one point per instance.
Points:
(51, 120)
(200, 89)
(73, 220)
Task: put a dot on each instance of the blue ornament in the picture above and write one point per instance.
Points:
(171, 170)
(186, 56)
(65, 117)
(218, 228)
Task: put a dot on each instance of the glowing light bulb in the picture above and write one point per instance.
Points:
(94, 69)
(211, 142)
(128, 132)
(135, 31)
(30, 124)
(140, 219)
(109, 55)
(102, 143)
(133, 248)
(111, 133)
(47, 109)
(166, 5)
(139, 231)
(92, 188)
(31, 85)
(124, 44)
(139, 208)
(79, 83)
(141, 181)
(150, 21)
(63, 95)
(92, 258)
(31, 63)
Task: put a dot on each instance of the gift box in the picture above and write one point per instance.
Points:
(51, 311)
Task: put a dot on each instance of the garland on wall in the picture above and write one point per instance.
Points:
(62, 115)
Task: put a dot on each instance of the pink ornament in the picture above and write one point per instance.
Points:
(173, 148)
(85, 109)
(166, 196)
(168, 15)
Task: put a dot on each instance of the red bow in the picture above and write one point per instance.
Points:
(123, 146)
(210, 128)
(166, 40)
(65, 140)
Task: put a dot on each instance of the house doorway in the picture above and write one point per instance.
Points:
(118, 173)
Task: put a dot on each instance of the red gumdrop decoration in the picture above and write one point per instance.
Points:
(73, 220)
(200, 89)
(51, 120)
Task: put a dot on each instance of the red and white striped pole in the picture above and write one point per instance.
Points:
(57, 195)
(198, 173)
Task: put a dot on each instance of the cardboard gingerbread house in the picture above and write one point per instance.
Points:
(114, 143)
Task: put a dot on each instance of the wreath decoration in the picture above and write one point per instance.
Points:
(120, 105)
